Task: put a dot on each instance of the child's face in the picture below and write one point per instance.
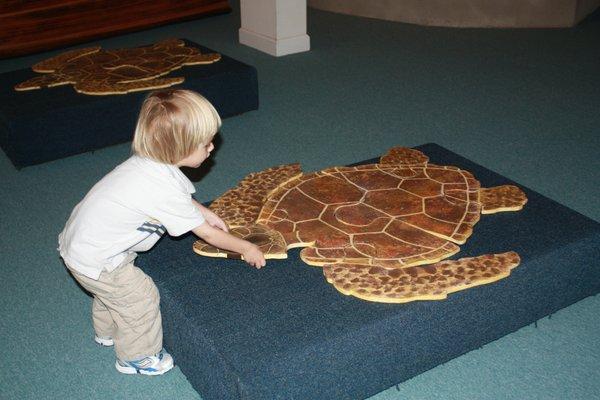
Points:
(198, 156)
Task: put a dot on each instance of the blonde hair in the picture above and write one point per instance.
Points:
(174, 123)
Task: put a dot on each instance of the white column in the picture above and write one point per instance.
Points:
(277, 27)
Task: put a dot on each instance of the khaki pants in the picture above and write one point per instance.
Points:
(126, 307)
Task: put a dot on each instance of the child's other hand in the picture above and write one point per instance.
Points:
(214, 220)
(253, 256)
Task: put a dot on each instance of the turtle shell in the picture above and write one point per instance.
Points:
(377, 214)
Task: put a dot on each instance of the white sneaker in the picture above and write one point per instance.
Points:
(151, 365)
(106, 341)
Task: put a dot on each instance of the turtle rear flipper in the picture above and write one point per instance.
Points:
(501, 198)
(198, 59)
(427, 282)
(270, 242)
(241, 205)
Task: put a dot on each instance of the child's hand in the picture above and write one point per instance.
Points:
(253, 256)
(224, 240)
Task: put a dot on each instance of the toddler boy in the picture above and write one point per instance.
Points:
(128, 210)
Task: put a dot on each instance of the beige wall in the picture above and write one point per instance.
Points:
(468, 13)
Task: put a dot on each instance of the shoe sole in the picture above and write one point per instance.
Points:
(104, 342)
(132, 371)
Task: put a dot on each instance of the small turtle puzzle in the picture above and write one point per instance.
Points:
(380, 232)
(95, 71)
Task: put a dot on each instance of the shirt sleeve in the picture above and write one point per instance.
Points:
(177, 213)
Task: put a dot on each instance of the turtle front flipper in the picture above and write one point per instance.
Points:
(241, 205)
(501, 198)
(427, 282)
(107, 88)
(270, 242)
(56, 62)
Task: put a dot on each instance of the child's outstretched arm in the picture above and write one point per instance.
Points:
(224, 240)
(213, 219)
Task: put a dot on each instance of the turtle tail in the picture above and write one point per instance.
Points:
(241, 205)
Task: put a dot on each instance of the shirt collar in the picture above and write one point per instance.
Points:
(168, 170)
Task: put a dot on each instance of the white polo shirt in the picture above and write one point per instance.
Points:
(127, 211)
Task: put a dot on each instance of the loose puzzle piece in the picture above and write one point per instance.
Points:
(270, 242)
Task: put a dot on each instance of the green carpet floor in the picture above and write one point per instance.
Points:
(525, 103)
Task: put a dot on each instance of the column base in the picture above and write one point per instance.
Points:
(275, 47)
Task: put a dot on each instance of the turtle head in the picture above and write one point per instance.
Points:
(404, 156)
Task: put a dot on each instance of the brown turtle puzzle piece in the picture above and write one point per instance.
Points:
(95, 71)
(379, 231)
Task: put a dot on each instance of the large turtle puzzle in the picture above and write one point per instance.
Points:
(95, 71)
(378, 231)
